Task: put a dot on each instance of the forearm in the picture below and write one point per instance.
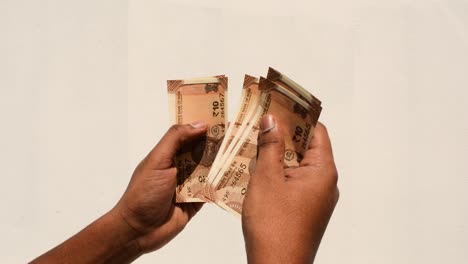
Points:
(107, 240)
(281, 244)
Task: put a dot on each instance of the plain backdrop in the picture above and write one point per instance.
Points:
(83, 99)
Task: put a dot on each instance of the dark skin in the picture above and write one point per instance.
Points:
(284, 216)
(146, 217)
(286, 211)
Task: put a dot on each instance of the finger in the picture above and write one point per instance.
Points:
(191, 209)
(270, 148)
(320, 148)
(162, 154)
(183, 212)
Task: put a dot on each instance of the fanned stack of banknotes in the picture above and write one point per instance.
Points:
(217, 169)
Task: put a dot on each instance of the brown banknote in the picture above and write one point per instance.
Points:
(297, 119)
(189, 101)
(249, 101)
(285, 82)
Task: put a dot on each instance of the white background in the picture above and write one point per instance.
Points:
(83, 99)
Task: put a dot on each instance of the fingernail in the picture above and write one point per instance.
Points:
(267, 123)
(198, 124)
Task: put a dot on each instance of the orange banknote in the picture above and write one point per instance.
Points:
(296, 118)
(249, 102)
(189, 101)
(218, 168)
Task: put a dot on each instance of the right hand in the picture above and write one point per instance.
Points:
(286, 211)
(148, 205)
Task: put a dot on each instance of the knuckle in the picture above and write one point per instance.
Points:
(331, 173)
(176, 129)
(269, 143)
(334, 176)
(179, 131)
(333, 185)
(321, 126)
(321, 129)
(336, 196)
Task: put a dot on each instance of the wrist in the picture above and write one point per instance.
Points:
(121, 225)
(126, 236)
(277, 248)
(123, 221)
(139, 224)
(271, 254)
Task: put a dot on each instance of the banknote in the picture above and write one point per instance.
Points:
(297, 119)
(230, 186)
(285, 82)
(249, 101)
(218, 168)
(191, 100)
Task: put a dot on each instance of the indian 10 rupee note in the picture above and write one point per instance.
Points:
(297, 120)
(191, 100)
(250, 98)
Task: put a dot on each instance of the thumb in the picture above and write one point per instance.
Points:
(162, 154)
(270, 147)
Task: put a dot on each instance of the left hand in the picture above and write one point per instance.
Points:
(148, 205)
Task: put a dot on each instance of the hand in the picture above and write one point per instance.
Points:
(144, 219)
(148, 206)
(286, 211)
